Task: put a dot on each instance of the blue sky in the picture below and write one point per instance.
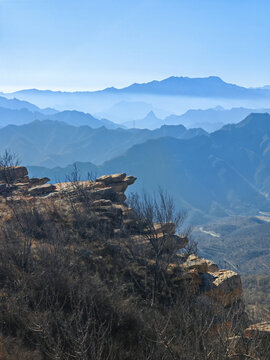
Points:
(92, 44)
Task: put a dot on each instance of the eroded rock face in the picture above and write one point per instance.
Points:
(224, 285)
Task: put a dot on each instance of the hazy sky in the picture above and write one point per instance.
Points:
(92, 44)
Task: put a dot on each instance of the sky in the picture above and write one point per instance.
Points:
(92, 44)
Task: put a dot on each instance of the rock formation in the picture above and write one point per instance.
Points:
(216, 289)
(15, 181)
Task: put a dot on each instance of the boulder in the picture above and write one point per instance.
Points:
(10, 174)
(197, 263)
(118, 182)
(224, 286)
(41, 190)
(130, 180)
(200, 264)
(110, 179)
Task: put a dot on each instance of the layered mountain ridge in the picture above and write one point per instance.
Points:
(226, 172)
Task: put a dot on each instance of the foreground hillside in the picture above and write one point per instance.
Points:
(84, 275)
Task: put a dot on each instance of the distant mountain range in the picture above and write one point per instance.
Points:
(170, 90)
(209, 119)
(22, 116)
(15, 104)
(54, 143)
(85, 170)
(211, 86)
(130, 110)
(224, 173)
(19, 112)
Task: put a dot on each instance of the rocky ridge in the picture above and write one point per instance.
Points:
(216, 290)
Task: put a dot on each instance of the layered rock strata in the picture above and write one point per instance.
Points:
(15, 181)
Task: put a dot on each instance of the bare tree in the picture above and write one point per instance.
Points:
(8, 160)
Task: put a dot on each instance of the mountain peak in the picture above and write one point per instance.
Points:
(151, 115)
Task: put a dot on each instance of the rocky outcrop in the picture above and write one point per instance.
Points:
(15, 181)
(114, 186)
(223, 285)
(38, 181)
(109, 180)
(217, 291)
(196, 263)
(108, 203)
(12, 173)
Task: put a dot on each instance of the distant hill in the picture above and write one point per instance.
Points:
(150, 121)
(16, 104)
(129, 110)
(54, 143)
(75, 118)
(250, 235)
(224, 173)
(18, 116)
(78, 118)
(212, 119)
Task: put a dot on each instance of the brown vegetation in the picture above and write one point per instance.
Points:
(84, 276)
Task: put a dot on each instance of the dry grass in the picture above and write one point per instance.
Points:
(72, 289)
